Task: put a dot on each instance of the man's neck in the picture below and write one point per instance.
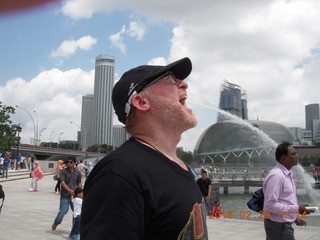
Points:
(71, 169)
(164, 144)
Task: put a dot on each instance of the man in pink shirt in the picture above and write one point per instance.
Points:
(280, 198)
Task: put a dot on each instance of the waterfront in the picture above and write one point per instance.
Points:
(40, 208)
(236, 204)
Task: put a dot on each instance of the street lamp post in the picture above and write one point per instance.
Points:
(85, 135)
(34, 126)
(57, 135)
(59, 138)
(51, 138)
(40, 134)
(37, 129)
(18, 130)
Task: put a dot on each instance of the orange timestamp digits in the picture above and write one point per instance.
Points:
(284, 214)
(239, 215)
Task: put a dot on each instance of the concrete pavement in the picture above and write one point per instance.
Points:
(29, 216)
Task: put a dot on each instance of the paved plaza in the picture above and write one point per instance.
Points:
(29, 216)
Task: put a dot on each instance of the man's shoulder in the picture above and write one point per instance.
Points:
(277, 170)
(275, 173)
(130, 159)
(67, 171)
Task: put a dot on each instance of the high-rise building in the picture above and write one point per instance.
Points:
(87, 121)
(316, 131)
(119, 135)
(312, 113)
(232, 100)
(102, 108)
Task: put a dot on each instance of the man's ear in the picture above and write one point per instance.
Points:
(140, 103)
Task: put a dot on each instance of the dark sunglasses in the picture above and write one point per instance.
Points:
(70, 162)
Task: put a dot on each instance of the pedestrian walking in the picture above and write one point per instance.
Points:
(280, 199)
(36, 175)
(6, 164)
(59, 168)
(70, 179)
(83, 170)
(76, 215)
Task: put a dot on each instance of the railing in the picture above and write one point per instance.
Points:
(23, 146)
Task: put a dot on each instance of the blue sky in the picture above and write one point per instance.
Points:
(29, 38)
(269, 47)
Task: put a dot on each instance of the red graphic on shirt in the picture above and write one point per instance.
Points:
(196, 228)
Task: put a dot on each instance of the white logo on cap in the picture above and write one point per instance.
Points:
(132, 86)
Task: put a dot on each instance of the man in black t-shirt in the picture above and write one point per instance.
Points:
(142, 190)
(204, 184)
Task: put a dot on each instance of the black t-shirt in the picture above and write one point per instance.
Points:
(204, 185)
(138, 193)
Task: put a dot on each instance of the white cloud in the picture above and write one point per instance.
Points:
(56, 97)
(135, 30)
(158, 61)
(70, 47)
(78, 9)
(117, 40)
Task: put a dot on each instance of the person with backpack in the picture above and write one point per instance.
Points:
(280, 198)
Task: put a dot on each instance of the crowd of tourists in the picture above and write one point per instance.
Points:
(9, 161)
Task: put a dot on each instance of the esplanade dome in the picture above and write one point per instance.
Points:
(241, 135)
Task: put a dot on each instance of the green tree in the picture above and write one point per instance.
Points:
(104, 148)
(93, 148)
(8, 130)
(186, 157)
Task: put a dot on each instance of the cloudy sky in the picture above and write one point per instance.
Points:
(270, 48)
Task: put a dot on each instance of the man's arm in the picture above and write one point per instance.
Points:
(209, 192)
(79, 185)
(65, 186)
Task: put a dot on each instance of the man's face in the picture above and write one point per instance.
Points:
(70, 164)
(204, 175)
(168, 102)
(292, 157)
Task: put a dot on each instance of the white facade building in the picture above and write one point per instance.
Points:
(87, 121)
(102, 109)
(119, 135)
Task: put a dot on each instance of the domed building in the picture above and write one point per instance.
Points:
(244, 141)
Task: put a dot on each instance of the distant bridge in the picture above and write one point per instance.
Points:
(43, 153)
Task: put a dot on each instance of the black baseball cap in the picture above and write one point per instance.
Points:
(136, 79)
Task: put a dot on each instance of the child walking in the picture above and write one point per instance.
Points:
(77, 204)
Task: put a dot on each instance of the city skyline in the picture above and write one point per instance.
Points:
(270, 48)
